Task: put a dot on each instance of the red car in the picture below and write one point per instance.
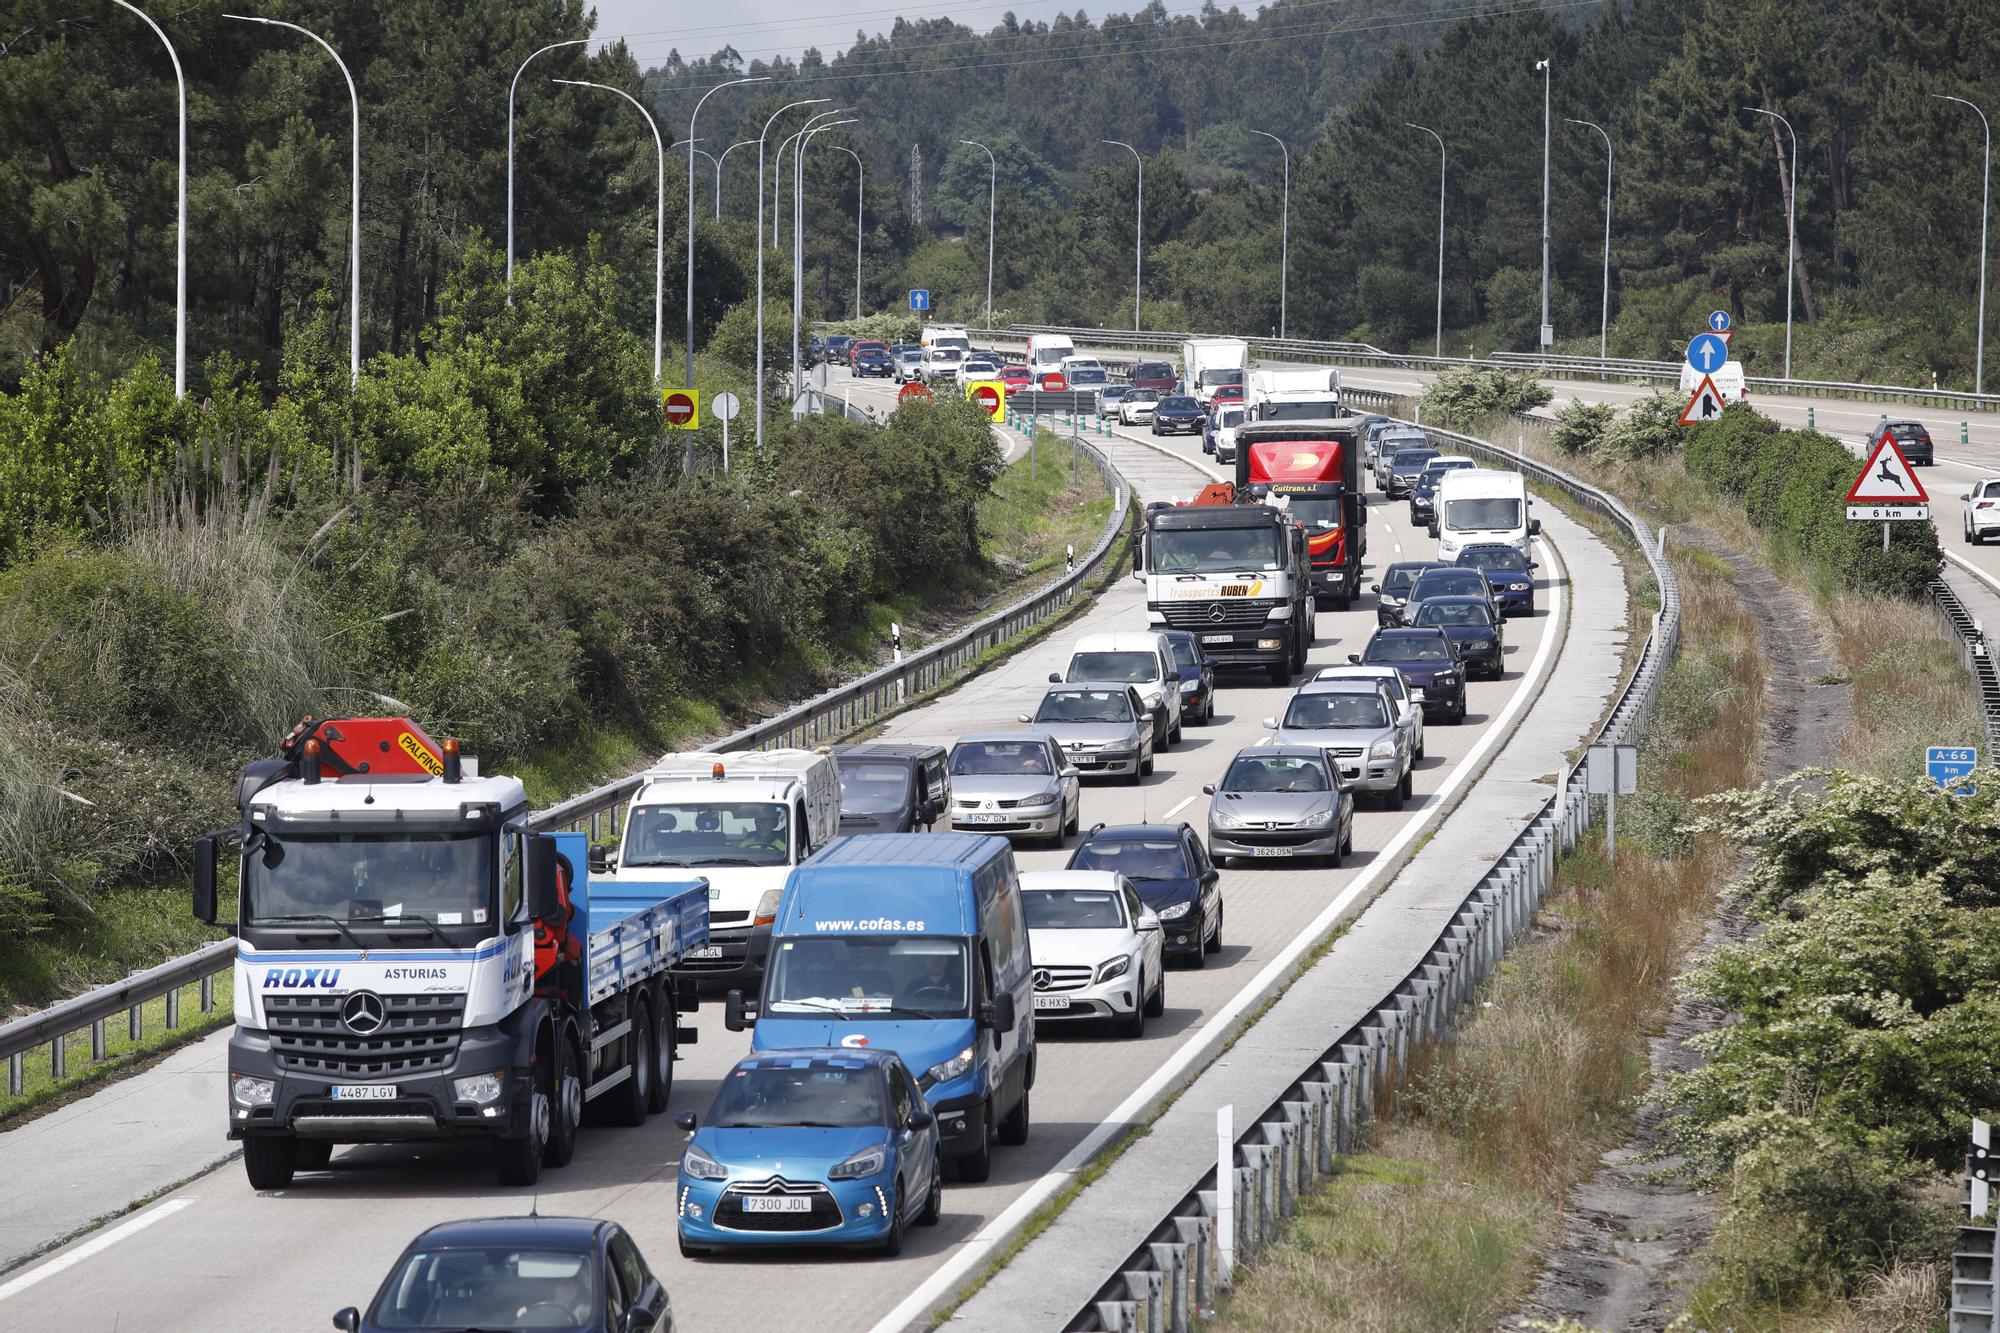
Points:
(857, 345)
(1154, 375)
(1015, 378)
(1227, 393)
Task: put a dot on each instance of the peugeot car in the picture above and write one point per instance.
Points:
(1281, 801)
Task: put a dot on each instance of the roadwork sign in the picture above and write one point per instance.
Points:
(991, 395)
(1706, 405)
(683, 408)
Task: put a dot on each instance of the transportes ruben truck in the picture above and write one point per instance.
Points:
(389, 905)
(1233, 573)
(1209, 363)
(1313, 470)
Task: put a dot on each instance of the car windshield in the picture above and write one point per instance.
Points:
(1179, 403)
(1133, 666)
(1114, 392)
(1001, 759)
(1411, 460)
(1227, 417)
(1396, 580)
(868, 974)
(750, 833)
(1453, 613)
(1185, 654)
(1493, 557)
(1451, 583)
(1073, 909)
(1092, 377)
(1411, 649)
(1496, 512)
(497, 1287)
(446, 879)
(1215, 550)
(1152, 370)
(1389, 441)
(817, 1095)
(872, 789)
(1275, 773)
(1311, 712)
(1134, 858)
(1084, 706)
(1143, 396)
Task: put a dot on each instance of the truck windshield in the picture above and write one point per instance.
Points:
(1315, 409)
(1215, 550)
(817, 1096)
(1497, 512)
(872, 789)
(925, 976)
(1212, 378)
(1133, 666)
(752, 833)
(1315, 511)
(446, 879)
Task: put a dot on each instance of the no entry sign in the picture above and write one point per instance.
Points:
(991, 395)
(683, 408)
(1053, 382)
(914, 390)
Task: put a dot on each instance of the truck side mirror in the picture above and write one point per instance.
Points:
(204, 880)
(736, 1015)
(544, 904)
(998, 1012)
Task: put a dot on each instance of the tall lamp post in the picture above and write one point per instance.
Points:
(1548, 334)
(720, 158)
(860, 184)
(694, 116)
(180, 213)
(804, 137)
(1438, 348)
(1138, 228)
(1791, 228)
(1985, 194)
(699, 152)
(1284, 231)
(1604, 312)
(552, 46)
(992, 197)
(759, 235)
(354, 242)
(660, 207)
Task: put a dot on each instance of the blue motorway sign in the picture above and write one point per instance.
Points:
(920, 298)
(1946, 764)
(1718, 321)
(1707, 352)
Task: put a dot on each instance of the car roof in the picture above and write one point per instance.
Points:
(1453, 570)
(1337, 686)
(1281, 751)
(1394, 633)
(1133, 832)
(1117, 640)
(886, 750)
(1456, 599)
(1412, 564)
(558, 1232)
(1003, 737)
(828, 1057)
(1043, 881)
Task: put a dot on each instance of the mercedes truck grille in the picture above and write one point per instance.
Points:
(416, 1034)
(1234, 614)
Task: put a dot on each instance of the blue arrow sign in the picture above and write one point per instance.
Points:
(920, 298)
(1707, 352)
(1718, 321)
(1946, 764)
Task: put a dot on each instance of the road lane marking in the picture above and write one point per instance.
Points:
(92, 1247)
(1184, 804)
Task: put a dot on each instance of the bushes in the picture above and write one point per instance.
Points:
(1462, 397)
(1580, 427)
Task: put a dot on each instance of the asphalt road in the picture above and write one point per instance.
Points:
(216, 1255)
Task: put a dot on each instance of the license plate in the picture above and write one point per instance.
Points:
(778, 1203)
(363, 1092)
(1084, 760)
(987, 819)
(707, 951)
(1052, 1002)
(1217, 638)
(1270, 851)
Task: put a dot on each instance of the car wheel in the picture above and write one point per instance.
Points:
(1156, 1003)
(1393, 798)
(934, 1201)
(1134, 1023)
(1214, 943)
(892, 1244)
(1458, 714)
(1014, 1129)
(270, 1162)
(1409, 787)
(1174, 736)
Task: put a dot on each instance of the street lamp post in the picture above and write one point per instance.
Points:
(1791, 228)
(1985, 194)
(759, 235)
(510, 153)
(804, 137)
(694, 116)
(699, 152)
(660, 223)
(180, 213)
(1138, 228)
(992, 197)
(720, 158)
(1548, 334)
(1437, 348)
(354, 242)
(1604, 313)
(860, 185)
(1284, 231)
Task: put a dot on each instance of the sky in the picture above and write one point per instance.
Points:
(762, 29)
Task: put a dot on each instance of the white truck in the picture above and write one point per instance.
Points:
(946, 335)
(1209, 363)
(1047, 351)
(741, 820)
(393, 912)
(1482, 506)
(1298, 394)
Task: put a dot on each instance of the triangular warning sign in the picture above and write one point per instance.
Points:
(1887, 477)
(1706, 405)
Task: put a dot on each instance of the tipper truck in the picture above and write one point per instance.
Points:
(415, 963)
(1209, 363)
(1233, 573)
(1313, 470)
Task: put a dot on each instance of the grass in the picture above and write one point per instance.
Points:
(1035, 510)
(1911, 689)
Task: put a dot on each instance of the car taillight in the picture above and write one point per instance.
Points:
(1984, 504)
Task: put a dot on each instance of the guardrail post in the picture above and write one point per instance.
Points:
(208, 994)
(1117, 1316)
(58, 1059)
(1199, 1233)
(135, 1021)
(1145, 1290)
(1171, 1258)
(16, 1076)
(97, 1040)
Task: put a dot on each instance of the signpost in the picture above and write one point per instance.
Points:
(1946, 764)
(991, 395)
(1611, 771)
(1718, 321)
(1706, 405)
(920, 298)
(683, 409)
(725, 405)
(1887, 491)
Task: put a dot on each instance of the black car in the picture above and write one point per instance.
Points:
(1473, 629)
(1171, 870)
(1914, 439)
(887, 787)
(1405, 466)
(1394, 589)
(501, 1274)
(1178, 414)
(1428, 661)
(1511, 574)
(1197, 676)
(833, 348)
(1423, 495)
(875, 363)
(1448, 581)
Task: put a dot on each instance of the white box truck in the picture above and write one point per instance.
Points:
(1047, 351)
(1209, 363)
(1298, 394)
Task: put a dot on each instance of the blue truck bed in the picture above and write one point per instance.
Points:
(633, 932)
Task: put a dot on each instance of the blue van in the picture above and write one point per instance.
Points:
(914, 943)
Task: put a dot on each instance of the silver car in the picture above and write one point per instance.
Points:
(1102, 729)
(1014, 783)
(1408, 710)
(1284, 801)
(1356, 720)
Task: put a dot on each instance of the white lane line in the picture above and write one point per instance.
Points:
(1973, 570)
(96, 1245)
(1184, 804)
(974, 1253)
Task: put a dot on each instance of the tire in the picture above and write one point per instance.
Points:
(1214, 942)
(934, 1205)
(1146, 767)
(690, 1251)
(1420, 750)
(1393, 799)
(1156, 1003)
(663, 1051)
(1347, 841)
(1174, 736)
(1075, 820)
(628, 1103)
(1134, 1024)
(520, 1159)
(564, 1108)
(1132, 778)
(313, 1154)
(1409, 787)
(1339, 855)
(1281, 672)
(270, 1162)
(1458, 714)
(1014, 1129)
(975, 1167)
(892, 1244)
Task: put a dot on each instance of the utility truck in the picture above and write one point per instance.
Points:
(1312, 469)
(389, 904)
(1294, 395)
(1047, 351)
(1209, 363)
(1235, 574)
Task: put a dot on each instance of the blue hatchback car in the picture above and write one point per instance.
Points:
(816, 1146)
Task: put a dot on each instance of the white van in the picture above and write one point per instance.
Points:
(1728, 381)
(1142, 659)
(1047, 351)
(1482, 507)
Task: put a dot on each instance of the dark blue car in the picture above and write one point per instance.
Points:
(1171, 869)
(1428, 661)
(1510, 573)
(1473, 629)
(1197, 676)
(1178, 415)
(875, 362)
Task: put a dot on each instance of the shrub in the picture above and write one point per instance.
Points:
(1462, 397)
(1648, 428)
(1580, 427)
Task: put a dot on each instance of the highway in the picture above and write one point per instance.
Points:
(213, 1254)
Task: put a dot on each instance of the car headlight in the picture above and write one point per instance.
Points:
(1173, 913)
(867, 1162)
(1318, 819)
(1383, 750)
(1046, 798)
(480, 1088)
(1114, 967)
(1447, 677)
(767, 907)
(946, 1070)
(1481, 643)
(1517, 587)
(698, 1165)
(247, 1091)
(1224, 819)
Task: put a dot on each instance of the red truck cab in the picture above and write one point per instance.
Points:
(1313, 470)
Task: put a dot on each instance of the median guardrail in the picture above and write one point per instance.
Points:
(1976, 652)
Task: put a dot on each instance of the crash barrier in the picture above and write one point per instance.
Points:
(1173, 1275)
(1976, 653)
(828, 717)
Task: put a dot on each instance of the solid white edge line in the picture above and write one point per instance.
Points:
(1970, 568)
(996, 1232)
(94, 1246)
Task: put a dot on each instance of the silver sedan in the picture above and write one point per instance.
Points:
(1357, 722)
(1102, 729)
(1014, 783)
(1281, 801)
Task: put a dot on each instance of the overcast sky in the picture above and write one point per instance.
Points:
(762, 29)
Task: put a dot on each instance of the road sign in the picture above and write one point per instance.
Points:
(1053, 382)
(1946, 764)
(1611, 770)
(991, 395)
(683, 409)
(725, 405)
(913, 390)
(1887, 477)
(1706, 405)
(1718, 321)
(1707, 351)
(920, 298)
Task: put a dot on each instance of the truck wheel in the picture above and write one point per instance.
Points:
(270, 1162)
(313, 1154)
(566, 1109)
(521, 1158)
(663, 1051)
(629, 1102)
(1281, 671)
(1014, 1129)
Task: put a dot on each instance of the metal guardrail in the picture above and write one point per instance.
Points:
(1977, 654)
(1172, 1276)
(839, 711)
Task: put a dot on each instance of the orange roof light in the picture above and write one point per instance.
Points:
(718, 772)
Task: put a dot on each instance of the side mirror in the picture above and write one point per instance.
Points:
(920, 1119)
(1070, 771)
(1354, 658)
(204, 880)
(1147, 921)
(1534, 527)
(1967, 497)
(1208, 789)
(998, 1013)
(687, 1121)
(636, 1321)
(1375, 588)
(1270, 724)
(930, 810)
(1173, 678)
(349, 1319)
(600, 859)
(1055, 677)
(736, 1015)
(543, 903)
(1403, 712)
(1024, 717)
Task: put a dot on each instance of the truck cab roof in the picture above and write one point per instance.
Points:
(363, 797)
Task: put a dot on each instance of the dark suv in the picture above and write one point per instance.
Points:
(1154, 375)
(874, 361)
(1914, 439)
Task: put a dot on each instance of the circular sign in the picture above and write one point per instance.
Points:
(913, 390)
(725, 405)
(987, 397)
(680, 408)
(1707, 352)
(1718, 321)
(854, 1039)
(1053, 382)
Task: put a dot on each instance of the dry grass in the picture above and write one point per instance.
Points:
(1910, 688)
